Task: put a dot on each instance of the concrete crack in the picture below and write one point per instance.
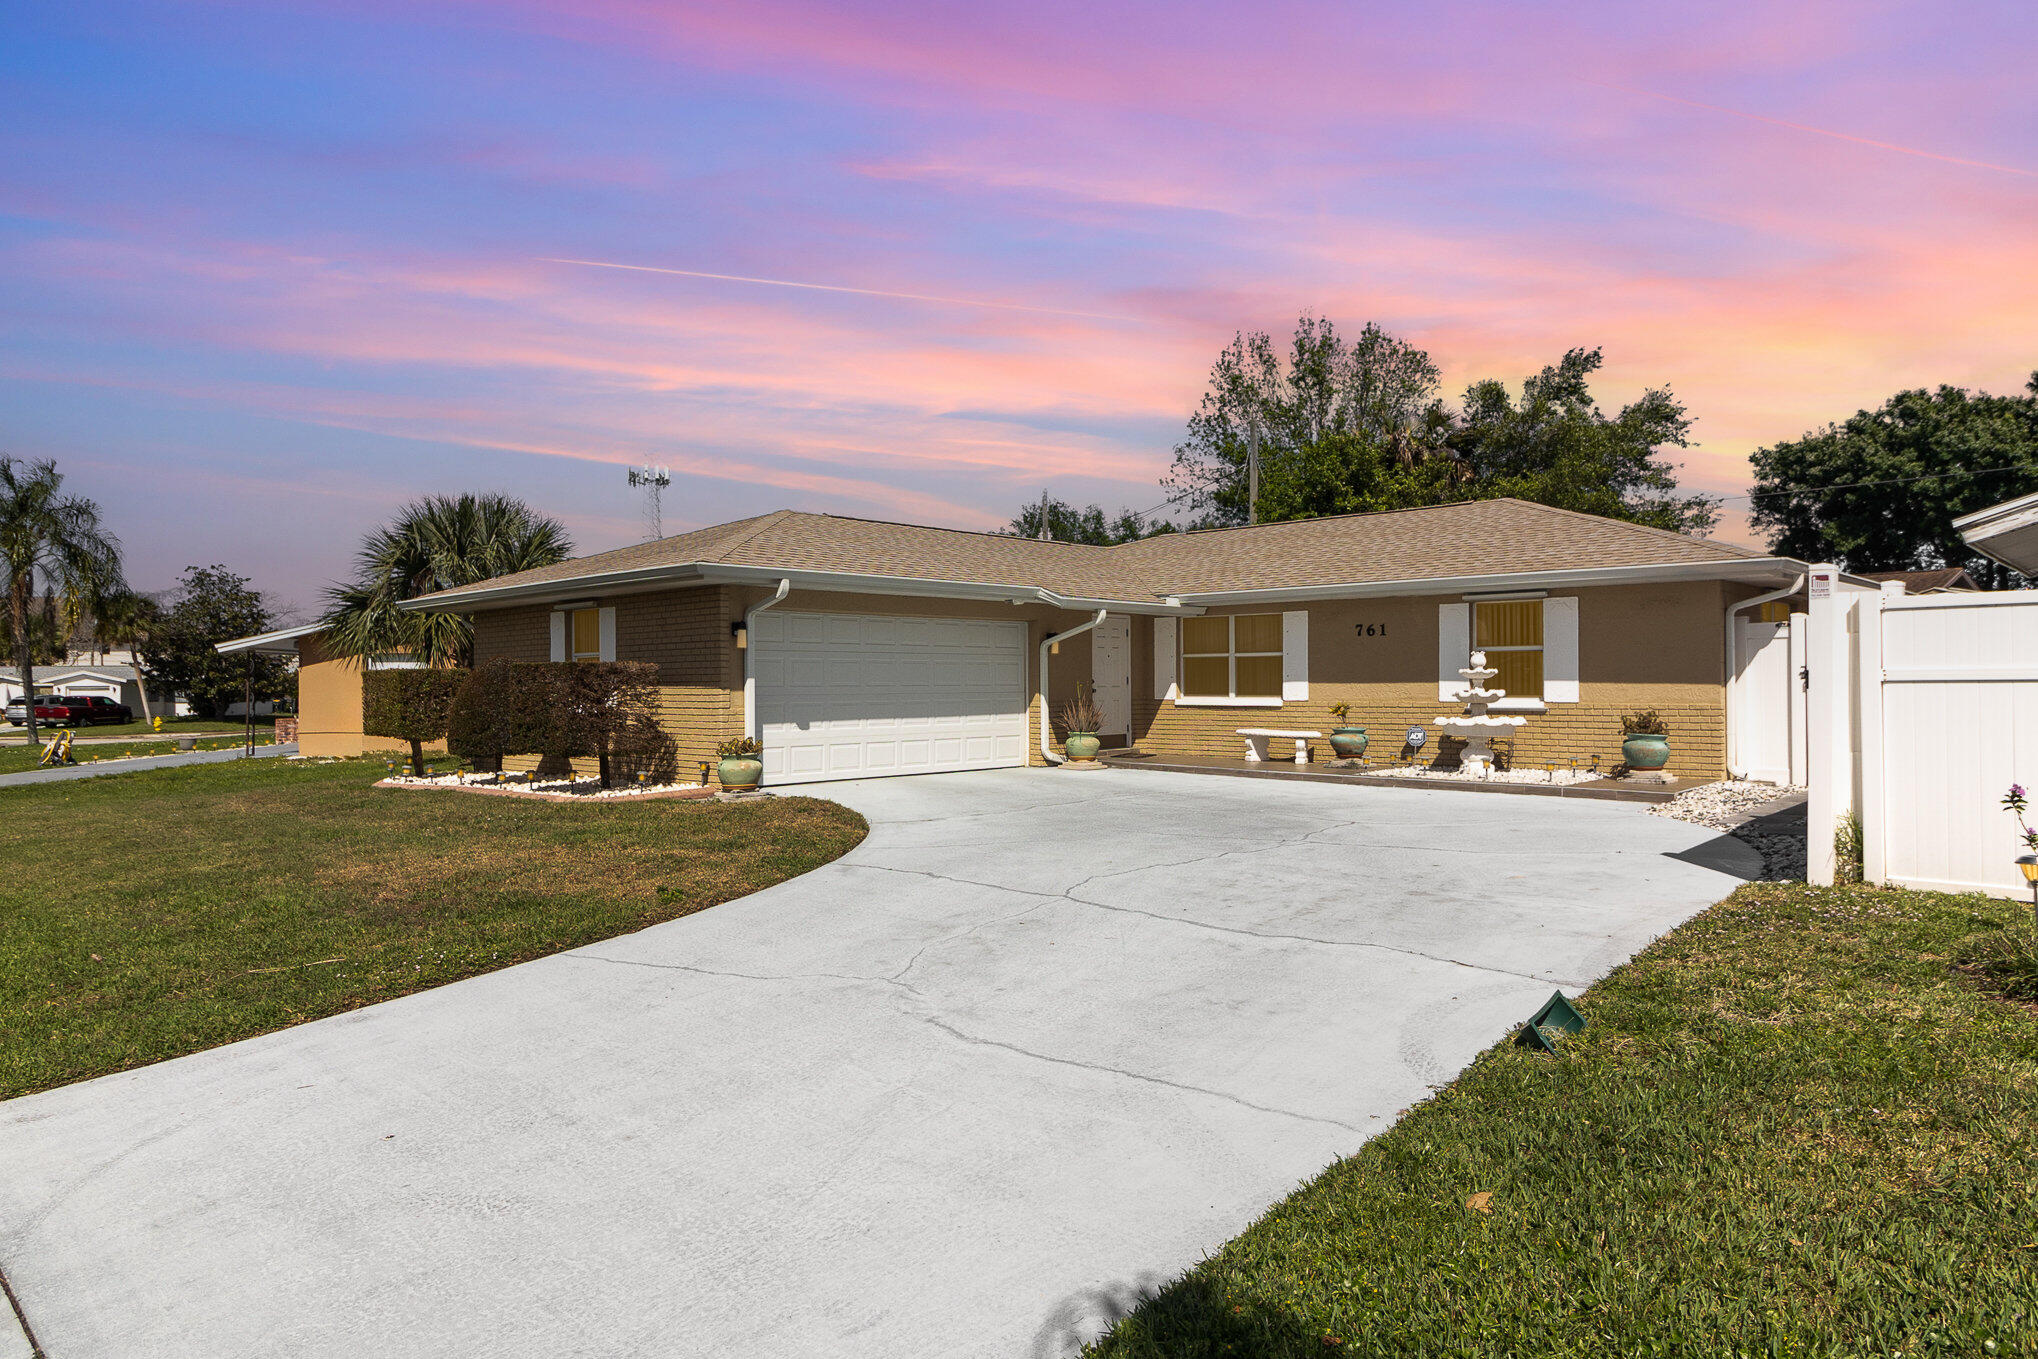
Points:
(975, 1041)
(719, 972)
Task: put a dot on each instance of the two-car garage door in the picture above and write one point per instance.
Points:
(849, 696)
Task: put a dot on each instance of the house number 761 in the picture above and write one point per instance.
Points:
(1370, 629)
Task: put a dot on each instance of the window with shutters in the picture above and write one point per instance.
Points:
(1510, 632)
(1233, 657)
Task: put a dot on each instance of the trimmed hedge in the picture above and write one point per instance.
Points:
(606, 710)
(409, 705)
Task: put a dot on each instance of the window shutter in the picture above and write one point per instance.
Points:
(1164, 658)
(1295, 654)
(559, 622)
(607, 624)
(1454, 645)
(1560, 649)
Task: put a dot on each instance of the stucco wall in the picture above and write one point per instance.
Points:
(329, 706)
(1654, 646)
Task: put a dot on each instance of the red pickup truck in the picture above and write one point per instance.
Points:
(70, 710)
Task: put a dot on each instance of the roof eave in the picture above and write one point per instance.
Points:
(683, 574)
(1765, 570)
(284, 640)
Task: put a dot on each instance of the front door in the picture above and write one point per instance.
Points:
(1111, 674)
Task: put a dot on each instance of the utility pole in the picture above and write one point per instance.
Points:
(1044, 534)
(1252, 467)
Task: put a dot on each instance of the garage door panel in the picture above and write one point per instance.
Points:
(854, 695)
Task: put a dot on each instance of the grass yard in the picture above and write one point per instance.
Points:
(172, 726)
(16, 759)
(1789, 1129)
(159, 913)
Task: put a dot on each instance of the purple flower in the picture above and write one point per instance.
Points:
(2017, 790)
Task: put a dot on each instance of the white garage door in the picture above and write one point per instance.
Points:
(850, 696)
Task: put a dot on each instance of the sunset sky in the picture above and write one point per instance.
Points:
(268, 270)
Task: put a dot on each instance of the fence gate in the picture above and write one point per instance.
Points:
(1769, 701)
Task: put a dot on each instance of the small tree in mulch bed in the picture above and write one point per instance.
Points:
(409, 705)
(607, 709)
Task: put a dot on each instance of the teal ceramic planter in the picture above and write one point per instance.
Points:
(1349, 742)
(739, 774)
(1082, 745)
(1645, 753)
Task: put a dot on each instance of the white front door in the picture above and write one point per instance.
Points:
(1111, 673)
(850, 696)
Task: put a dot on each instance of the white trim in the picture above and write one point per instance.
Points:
(1227, 703)
(1164, 644)
(560, 621)
(1560, 649)
(750, 730)
(1295, 654)
(605, 632)
(1506, 596)
(1520, 705)
(268, 641)
(1454, 649)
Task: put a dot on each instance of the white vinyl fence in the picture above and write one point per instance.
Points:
(1923, 710)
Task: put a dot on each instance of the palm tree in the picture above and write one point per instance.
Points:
(124, 618)
(436, 544)
(48, 535)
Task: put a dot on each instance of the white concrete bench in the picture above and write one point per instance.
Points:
(1256, 741)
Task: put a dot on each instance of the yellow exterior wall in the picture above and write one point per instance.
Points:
(329, 706)
(1639, 646)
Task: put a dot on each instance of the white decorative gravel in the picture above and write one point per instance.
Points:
(1423, 771)
(1725, 806)
(584, 786)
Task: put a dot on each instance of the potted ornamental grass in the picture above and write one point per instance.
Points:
(1349, 742)
(1080, 718)
(1645, 741)
(742, 764)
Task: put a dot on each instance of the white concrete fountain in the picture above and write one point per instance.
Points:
(1475, 725)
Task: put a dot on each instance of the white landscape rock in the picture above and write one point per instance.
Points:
(584, 786)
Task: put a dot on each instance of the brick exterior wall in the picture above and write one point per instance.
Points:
(1658, 646)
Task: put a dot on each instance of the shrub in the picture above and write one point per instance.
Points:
(1081, 714)
(740, 748)
(1647, 723)
(409, 705)
(504, 708)
(600, 708)
(645, 748)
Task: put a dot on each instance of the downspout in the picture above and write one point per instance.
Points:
(1733, 764)
(785, 587)
(1045, 643)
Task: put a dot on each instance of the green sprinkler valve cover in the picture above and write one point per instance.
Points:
(1556, 1015)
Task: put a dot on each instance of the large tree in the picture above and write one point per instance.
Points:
(54, 551)
(1881, 492)
(1342, 426)
(213, 605)
(436, 544)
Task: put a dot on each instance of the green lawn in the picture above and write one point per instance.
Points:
(14, 759)
(162, 912)
(1790, 1129)
(184, 726)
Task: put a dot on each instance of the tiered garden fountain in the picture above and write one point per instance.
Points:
(1475, 725)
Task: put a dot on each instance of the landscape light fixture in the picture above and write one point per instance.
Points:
(2028, 865)
(1556, 1014)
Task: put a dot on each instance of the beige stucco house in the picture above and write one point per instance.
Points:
(328, 721)
(854, 648)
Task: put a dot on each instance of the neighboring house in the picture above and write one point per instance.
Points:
(120, 683)
(328, 691)
(1944, 580)
(2007, 533)
(855, 648)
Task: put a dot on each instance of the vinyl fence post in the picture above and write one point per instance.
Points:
(1829, 718)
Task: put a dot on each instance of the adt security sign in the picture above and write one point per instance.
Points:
(1822, 585)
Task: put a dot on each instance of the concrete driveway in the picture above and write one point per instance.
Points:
(1043, 1040)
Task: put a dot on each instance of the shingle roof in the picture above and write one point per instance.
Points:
(1472, 538)
(1924, 582)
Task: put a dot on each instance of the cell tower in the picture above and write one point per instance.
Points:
(652, 481)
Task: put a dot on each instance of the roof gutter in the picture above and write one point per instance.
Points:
(717, 573)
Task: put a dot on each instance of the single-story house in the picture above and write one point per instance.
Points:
(121, 683)
(328, 691)
(853, 648)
